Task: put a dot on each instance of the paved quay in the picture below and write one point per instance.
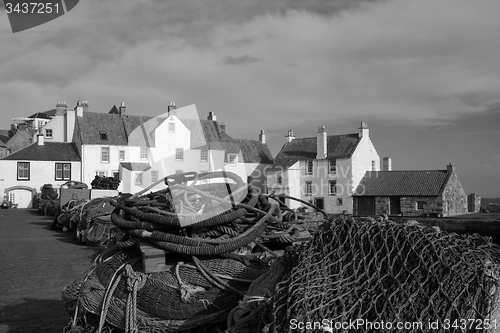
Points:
(36, 263)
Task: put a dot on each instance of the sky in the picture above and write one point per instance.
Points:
(423, 74)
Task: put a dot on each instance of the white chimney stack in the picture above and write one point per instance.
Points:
(289, 136)
(212, 116)
(122, 109)
(363, 130)
(79, 109)
(262, 136)
(387, 164)
(40, 139)
(171, 108)
(321, 151)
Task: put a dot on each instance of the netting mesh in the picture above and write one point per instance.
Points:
(386, 272)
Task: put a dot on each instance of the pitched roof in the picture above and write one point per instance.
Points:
(40, 115)
(205, 132)
(117, 128)
(139, 129)
(254, 151)
(135, 166)
(114, 110)
(403, 183)
(51, 113)
(50, 151)
(338, 146)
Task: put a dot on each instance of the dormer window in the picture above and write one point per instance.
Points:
(103, 136)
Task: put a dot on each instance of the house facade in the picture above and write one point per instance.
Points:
(24, 172)
(323, 170)
(411, 193)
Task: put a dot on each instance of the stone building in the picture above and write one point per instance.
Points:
(411, 193)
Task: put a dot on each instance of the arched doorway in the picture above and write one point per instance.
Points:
(23, 196)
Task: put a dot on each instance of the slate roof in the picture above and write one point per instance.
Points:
(50, 151)
(114, 110)
(205, 132)
(40, 115)
(403, 183)
(135, 166)
(254, 151)
(338, 146)
(51, 113)
(117, 128)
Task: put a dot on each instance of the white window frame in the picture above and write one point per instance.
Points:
(309, 167)
(340, 201)
(121, 155)
(179, 171)
(101, 173)
(23, 170)
(373, 165)
(62, 170)
(332, 166)
(420, 205)
(105, 151)
(179, 154)
(154, 176)
(144, 153)
(332, 187)
(47, 131)
(171, 127)
(203, 155)
(308, 188)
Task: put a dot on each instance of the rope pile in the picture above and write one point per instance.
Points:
(89, 220)
(209, 230)
(378, 272)
(105, 183)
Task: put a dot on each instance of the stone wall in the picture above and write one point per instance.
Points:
(473, 203)
(454, 197)
(432, 206)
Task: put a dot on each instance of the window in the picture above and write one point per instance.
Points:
(116, 175)
(103, 136)
(232, 158)
(48, 133)
(154, 176)
(9, 151)
(332, 166)
(373, 165)
(279, 179)
(40, 124)
(204, 155)
(171, 127)
(144, 153)
(104, 154)
(63, 171)
(23, 171)
(420, 205)
(340, 202)
(122, 155)
(309, 167)
(179, 171)
(332, 187)
(102, 173)
(138, 179)
(179, 154)
(308, 188)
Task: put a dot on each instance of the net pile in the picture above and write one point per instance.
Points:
(209, 236)
(378, 272)
(105, 183)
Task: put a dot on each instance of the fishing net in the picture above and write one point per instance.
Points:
(374, 275)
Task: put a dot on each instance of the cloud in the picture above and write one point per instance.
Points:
(496, 157)
(241, 60)
(487, 166)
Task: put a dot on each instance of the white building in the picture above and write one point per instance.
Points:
(323, 170)
(23, 173)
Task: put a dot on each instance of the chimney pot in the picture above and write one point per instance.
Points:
(289, 137)
(387, 164)
(262, 136)
(321, 143)
(212, 116)
(122, 109)
(363, 130)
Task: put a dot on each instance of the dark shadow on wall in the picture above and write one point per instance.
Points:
(30, 315)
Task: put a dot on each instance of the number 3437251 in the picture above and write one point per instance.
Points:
(32, 8)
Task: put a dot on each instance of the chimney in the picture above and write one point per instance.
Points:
(262, 136)
(289, 136)
(171, 108)
(321, 144)
(85, 105)
(363, 130)
(21, 127)
(122, 109)
(387, 164)
(450, 168)
(79, 108)
(61, 107)
(40, 139)
(212, 116)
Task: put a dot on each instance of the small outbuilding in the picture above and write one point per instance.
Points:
(411, 193)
